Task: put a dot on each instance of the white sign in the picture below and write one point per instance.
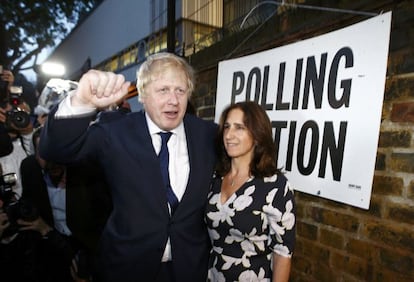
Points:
(324, 97)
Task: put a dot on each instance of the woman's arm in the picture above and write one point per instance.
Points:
(281, 268)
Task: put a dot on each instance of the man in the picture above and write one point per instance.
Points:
(88, 201)
(20, 136)
(44, 194)
(146, 238)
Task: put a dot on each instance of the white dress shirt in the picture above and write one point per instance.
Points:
(178, 166)
(57, 199)
(22, 147)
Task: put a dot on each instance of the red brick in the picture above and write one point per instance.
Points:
(401, 212)
(363, 249)
(403, 112)
(314, 250)
(402, 162)
(306, 230)
(333, 218)
(411, 190)
(395, 139)
(302, 264)
(324, 272)
(353, 266)
(382, 274)
(332, 238)
(400, 262)
(387, 185)
(390, 234)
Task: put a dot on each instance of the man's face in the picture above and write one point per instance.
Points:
(166, 98)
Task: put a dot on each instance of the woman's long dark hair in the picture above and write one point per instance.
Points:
(255, 119)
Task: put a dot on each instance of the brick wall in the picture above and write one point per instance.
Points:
(337, 242)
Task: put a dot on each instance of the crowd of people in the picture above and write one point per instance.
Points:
(157, 195)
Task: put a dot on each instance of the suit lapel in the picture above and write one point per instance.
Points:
(195, 164)
(145, 150)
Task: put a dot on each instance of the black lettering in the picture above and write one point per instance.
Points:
(291, 145)
(335, 149)
(279, 104)
(256, 75)
(311, 126)
(278, 126)
(298, 79)
(265, 106)
(237, 88)
(316, 80)
(346, 53)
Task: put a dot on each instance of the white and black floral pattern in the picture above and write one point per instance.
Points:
(258, 219)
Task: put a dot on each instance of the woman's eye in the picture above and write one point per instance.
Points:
(240, 127)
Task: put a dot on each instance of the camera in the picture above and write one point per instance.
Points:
(7, 181)
(15, 208)
(16, 117)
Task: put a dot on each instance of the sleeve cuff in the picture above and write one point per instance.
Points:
(66, 110)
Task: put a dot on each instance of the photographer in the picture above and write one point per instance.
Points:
(44, 186)
(16, 125)
(6, 80)
(36, 244)
(16, 252)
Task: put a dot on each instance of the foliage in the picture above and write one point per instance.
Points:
(29, 26)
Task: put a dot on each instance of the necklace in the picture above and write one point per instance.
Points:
(233, 180)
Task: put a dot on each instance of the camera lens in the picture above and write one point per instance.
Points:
(19, 119)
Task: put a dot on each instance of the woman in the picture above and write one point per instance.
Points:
(251, 210)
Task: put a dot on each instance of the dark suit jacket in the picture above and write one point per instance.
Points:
(35, 189)
(88, 203)
(139, 226)
(6, 145)
(53, 256)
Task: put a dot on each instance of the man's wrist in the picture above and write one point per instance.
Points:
(66, 109)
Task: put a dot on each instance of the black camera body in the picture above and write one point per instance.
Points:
(7, 182)
(16, 117)
(15, 208)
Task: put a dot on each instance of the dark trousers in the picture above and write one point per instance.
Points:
(166, 273)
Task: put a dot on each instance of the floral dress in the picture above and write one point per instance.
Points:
(257, 220)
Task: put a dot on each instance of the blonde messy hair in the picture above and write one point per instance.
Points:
(157, 64)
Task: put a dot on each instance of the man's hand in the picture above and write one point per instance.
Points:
(38, 225)
(4, 222)
(98, 89)
(8, 76)
(2, 115)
